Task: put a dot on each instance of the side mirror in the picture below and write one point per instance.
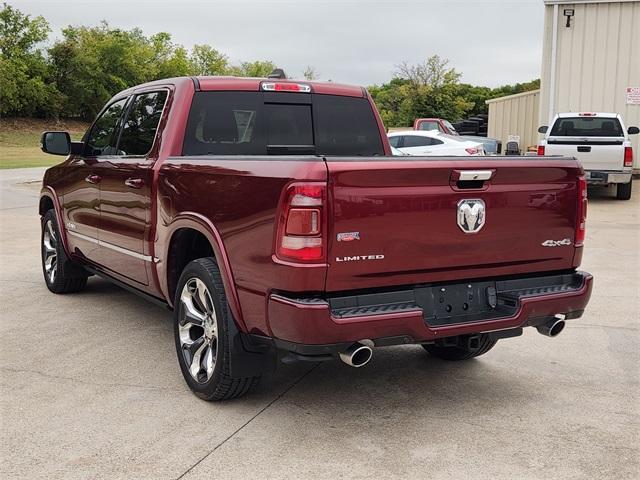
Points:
(56, 143)
(633, 130)
(543, 129)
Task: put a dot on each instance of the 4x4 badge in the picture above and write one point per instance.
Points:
(557, 243)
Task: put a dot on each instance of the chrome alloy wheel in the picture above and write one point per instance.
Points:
(50, 257)
(198, 330)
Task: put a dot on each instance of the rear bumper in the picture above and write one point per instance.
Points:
(599, 177)
(398, 318)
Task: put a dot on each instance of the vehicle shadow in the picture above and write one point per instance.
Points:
(599, 194)
(397, 380)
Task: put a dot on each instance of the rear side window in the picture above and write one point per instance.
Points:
(395, 141)
(587, 127)
(254, 123)
(139, 129)
(417, 141)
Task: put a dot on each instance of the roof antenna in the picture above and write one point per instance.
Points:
(277, 73)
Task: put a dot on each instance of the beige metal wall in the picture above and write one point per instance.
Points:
(597, 58)
(515, 115)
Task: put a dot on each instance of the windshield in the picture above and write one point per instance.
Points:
(587, 127)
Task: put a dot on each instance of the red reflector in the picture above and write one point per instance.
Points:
(303, 221)
(628, 157)
(540, 150)
(581, 216)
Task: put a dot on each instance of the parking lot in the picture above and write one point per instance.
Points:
(91, 387)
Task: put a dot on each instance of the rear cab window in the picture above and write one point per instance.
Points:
(429, 125)
(274, 123)
(587, 126)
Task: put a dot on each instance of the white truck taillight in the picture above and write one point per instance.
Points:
(581, 216)
(540, 150)
(628, 157)
(301, 227)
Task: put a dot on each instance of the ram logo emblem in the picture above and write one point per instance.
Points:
(471, 215)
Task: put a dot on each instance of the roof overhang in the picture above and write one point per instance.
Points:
(575, 2)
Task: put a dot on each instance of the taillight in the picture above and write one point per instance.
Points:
(540, 150)
(581, 217)
(300, 235)
(628, 157)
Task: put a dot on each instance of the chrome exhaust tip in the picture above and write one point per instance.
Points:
(357, 355)
(552, 327)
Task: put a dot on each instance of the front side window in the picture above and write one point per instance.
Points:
(139, 129)
(450, 127)
(102, 138)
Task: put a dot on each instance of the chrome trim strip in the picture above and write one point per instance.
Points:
(146, 258)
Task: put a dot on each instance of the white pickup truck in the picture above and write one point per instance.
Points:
(599, 141)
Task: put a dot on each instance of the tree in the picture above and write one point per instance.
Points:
(310, 73)
(432, 72)
(23, 69)
(252, 69)
(91, 64)
(425, 89)
(206, 60)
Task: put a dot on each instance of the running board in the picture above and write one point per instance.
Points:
(158, 301)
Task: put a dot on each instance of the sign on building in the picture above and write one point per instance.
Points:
(633, 95)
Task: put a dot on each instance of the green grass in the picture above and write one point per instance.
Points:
(20, 142)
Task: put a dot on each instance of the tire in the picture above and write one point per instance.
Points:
(201, 325)
(464, 350)
(624, 190)
(61, 275)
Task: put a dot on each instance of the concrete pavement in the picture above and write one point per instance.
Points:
(91, 387)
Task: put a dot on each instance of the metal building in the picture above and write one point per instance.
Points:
(590, 62)
(515, 116)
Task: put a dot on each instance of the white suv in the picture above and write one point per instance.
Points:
(599, 141)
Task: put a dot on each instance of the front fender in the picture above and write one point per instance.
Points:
(49, 193)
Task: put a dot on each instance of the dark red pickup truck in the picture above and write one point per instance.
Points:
(270, 216)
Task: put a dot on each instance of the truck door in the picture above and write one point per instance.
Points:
(125, 190)
(81, 188)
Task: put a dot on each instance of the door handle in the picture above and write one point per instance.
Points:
(93, 178)
(134, 182)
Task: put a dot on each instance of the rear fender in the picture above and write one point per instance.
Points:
(201, 224)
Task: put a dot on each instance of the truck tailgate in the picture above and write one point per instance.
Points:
(395, 222)
(593, 153)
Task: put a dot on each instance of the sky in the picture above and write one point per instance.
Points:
(490, 42)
